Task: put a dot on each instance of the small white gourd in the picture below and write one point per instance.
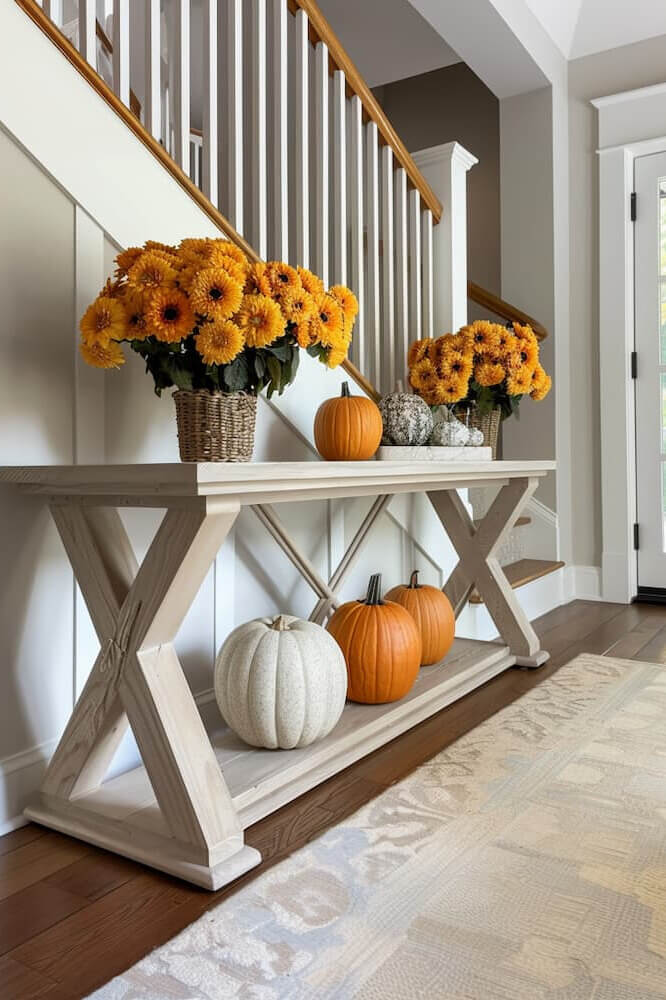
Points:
(280, 682)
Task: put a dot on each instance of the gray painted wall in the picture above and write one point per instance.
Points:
(453, 104)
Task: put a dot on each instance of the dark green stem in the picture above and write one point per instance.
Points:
(374, 595)
(414, 580)
(345, 389)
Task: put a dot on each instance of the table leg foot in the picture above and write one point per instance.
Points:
(536, 660)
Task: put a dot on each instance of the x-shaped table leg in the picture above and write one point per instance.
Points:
(137, 676)
(478, 566)
(327, 591)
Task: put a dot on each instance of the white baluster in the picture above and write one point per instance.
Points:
(209, 145)
(415, 315)
(230, 25)
(356, 253)
(401, 274)
(426, 226)
(339, 178)
(372, 311)
(179, 52)
(88, 31)
(321, 222)
(302, 139)
(258, 153)
(121, 50)
(53, 9)
(281, 152)
(153, 97)
(388, 289)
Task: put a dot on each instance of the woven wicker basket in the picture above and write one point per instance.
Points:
(489, 424)
(214, 426)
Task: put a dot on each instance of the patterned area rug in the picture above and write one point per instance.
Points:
(527, 861)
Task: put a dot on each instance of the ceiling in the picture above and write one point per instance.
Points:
(389, 46)
(583, 27)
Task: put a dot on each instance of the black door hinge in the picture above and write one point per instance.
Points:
(636, 536)
(633, 206)
(634, 364)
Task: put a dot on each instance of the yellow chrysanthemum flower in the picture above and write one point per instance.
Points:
(423, 376)
(257, 281)
(519, 382)
(543, 390)
(162, 247)
(347, 301)
(505, 343)
(135, 315)
(450, 390)
(229, 249)
(328, 322)
(489, 373)
(214, 293)
(336, 356)
(194, 245)
(260, 320)
(126, 259)
(103, 321)
(311, 283)
(151, 270)
(219, 343)
(527, 353)
(282, 278)
(102, 355)
(297, 306)
(483, 336)
(418, 350)
(455, 365)
(169, 315)
(226, 263)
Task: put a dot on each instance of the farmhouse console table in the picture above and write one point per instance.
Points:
(186, 809)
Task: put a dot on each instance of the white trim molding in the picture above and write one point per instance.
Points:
(619, 118)
(445, 169)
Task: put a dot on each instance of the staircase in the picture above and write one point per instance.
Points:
(328, 184)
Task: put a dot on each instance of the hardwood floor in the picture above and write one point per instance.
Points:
(72, 917)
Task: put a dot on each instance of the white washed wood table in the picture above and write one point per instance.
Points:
(186, 809)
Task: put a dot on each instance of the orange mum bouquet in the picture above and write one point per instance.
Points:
(204, 316)
(485, 364)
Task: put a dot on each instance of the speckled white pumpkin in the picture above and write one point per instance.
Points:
(476, 438)
(406, 418)
(280, 682)
(451, 433)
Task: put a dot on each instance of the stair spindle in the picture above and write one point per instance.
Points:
(302, 138)
(230, 26)
(121, 50)
(387, 367)
(401, 274)
(339, 156)
(210, 142)
(356, 219)
(372, 312)
(321, 228)
(258, 156)
(415, 313)
(427, 265)
(279, 242)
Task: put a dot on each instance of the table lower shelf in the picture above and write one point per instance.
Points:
(123, 815)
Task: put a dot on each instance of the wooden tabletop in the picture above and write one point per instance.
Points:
(260, 482)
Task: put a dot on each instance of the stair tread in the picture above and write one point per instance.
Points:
(521, 572)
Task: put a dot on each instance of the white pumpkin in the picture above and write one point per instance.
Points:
(280, 682)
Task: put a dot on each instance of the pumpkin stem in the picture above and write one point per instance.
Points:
(414, 580)
(280, 624)
(374, 595)
(344, 391)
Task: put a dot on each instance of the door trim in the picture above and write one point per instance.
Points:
(620, 147)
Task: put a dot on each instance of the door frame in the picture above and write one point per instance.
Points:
(621, 117)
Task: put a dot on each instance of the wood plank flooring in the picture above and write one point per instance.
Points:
(72, 917)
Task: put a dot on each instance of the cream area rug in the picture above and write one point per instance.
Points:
(527, 861)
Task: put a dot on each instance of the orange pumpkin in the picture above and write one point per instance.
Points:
(433, 614)
(347, 428)
(381, 646)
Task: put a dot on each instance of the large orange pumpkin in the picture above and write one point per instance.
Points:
(433, 614)
(347, 428)
(381, 646)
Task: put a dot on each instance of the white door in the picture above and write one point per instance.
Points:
(650, 361)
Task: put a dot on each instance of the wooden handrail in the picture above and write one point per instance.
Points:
(321, 31)
(496, 305)
(44, 23)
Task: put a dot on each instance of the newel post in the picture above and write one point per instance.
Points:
(445, 168)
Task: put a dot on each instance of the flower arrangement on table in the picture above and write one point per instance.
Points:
(207, 319)
(485, 365)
